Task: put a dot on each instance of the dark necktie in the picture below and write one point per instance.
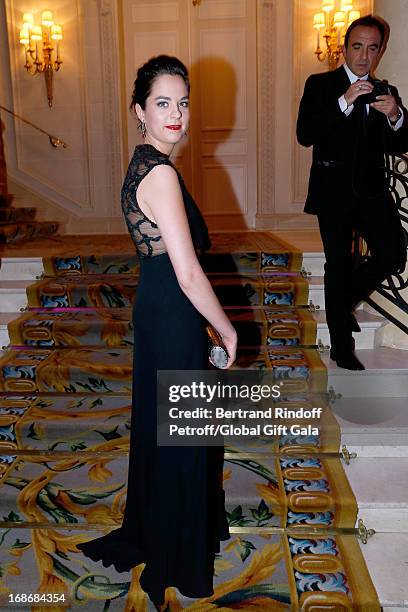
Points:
(362, 101)
(362, 145)
(361, 108)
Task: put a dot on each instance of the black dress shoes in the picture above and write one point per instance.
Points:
(346, 359)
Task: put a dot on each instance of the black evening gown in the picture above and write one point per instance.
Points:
(175, 508)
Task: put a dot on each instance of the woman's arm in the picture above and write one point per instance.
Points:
(159, 196)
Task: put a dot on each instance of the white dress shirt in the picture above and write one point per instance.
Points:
(348, 109)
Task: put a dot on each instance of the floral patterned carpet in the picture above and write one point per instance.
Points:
(65, 385)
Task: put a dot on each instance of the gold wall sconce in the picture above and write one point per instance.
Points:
(39, 51)
(334, 24)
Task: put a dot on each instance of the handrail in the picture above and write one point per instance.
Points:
(54, 140)
(395, 287)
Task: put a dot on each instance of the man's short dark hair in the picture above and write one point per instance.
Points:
(367, 21)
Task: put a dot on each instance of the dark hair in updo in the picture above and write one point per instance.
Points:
(148, 73)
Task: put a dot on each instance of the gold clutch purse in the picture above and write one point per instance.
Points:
(217, 352)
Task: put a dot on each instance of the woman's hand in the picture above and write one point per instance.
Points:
(230, 340)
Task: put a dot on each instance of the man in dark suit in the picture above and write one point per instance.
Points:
(348, 186)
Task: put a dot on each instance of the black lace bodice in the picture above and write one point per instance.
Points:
(144, 232)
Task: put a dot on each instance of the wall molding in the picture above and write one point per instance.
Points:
(266, 23)
(108, 11)
(91, 66)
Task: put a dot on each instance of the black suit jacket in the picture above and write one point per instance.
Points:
(352, 149)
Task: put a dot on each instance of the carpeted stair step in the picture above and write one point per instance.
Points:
(110, 371)
(73, 452)
(118, 291)
(259, 492)
(62, 423)
(11, 233)
(64, 436)
(17, 215)
(239, 252)
(65, 423)
(67, 370)
(245, 252)
(112, 327)
(252, 572)
(257, 290)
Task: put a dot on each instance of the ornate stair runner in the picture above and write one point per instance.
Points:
(65, 388)
(19, 224)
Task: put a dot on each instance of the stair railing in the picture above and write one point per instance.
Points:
(395, 287)
(54, 140)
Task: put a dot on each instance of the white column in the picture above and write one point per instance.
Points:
(393, 67)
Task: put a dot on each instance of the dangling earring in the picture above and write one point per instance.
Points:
(142, 128)
(186, 132)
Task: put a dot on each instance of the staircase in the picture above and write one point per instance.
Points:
(371, 407)
(18, 224)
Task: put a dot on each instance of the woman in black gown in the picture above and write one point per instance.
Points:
(175, 514)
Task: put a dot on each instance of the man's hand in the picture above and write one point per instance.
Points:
(357, 89)
(386, 105)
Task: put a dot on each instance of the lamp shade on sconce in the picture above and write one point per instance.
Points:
(346, 5)
(339, 19)
(41, 54)
(36, 32)
(56, 32)
(47, 19)
(28, 20)
(318, 21)
(24, 36)
(335, 18)
(327, 5)
(353, 15)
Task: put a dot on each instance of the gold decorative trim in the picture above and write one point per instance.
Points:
(290, 531)
(86, 454)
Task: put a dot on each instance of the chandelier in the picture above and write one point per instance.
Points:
(38, 42)
(334, 24)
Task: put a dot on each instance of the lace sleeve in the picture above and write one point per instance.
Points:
(144, 232)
